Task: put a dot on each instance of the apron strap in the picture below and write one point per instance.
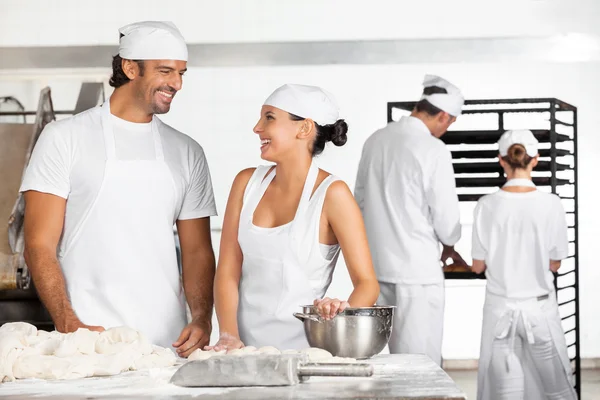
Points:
(254, 196)
(309, 184)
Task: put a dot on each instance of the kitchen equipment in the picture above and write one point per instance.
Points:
(355, 332)
(260, 370)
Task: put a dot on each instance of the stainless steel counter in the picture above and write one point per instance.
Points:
(400, 376)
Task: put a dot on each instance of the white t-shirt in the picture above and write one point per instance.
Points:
(406, 190)
(517, 234)
(69, 158)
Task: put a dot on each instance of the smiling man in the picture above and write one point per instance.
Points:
(103, 191)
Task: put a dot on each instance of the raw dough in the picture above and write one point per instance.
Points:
(316, 355)
(199, 354)
(160, 357)
(268, 350)
(249, 349)
(236, 352)
(26, 352)
(22, 329)
(116, 340)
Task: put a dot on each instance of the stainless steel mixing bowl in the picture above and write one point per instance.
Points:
(356, 332)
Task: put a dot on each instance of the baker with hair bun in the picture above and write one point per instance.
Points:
(284, 226)
(519, 239)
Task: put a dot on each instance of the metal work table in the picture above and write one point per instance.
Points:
(400, 376)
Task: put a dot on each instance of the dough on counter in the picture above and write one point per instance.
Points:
(22, 329)
(315, 354)
(116, 340)
(160, 357)
(268, 350)
(236, 352)
(249, 349)
(26, 352)
(199, 354)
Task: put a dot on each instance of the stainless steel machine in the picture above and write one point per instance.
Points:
(18, 298)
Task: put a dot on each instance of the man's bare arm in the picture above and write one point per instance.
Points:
(44, 216)
(198, 270)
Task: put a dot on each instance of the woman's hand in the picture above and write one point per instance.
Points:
(226, 342)
(329, 308)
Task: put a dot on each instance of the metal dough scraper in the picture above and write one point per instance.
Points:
(260, 370)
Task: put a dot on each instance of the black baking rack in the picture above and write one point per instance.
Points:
(477, 172)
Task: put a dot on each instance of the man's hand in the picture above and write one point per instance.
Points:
(71, 324)
(449, 253)
(226, 342)
(194, 336)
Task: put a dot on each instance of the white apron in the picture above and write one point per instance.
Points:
(539, 318)
(121, 267)
(283, 267)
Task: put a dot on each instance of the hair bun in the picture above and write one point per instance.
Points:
(338, 134)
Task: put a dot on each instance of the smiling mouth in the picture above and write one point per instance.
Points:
(166, 95)
(264, 142)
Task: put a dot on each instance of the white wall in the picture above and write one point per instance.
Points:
(87, 22)
(218, 108)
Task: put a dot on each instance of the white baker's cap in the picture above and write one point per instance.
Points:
(523, 137)
(450, 102)
(306, 102)
(152, 40)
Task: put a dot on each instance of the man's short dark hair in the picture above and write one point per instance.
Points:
(425, 106)
(118, 77)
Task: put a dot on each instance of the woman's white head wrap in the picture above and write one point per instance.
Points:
(306, 102)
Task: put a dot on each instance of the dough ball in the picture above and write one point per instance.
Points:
(67, 347)
(116, 340)
(199, 354)
(160, 357)
(315, 354)
(85, 340)
(22, 329)
(268, 350)
(249, 350)
(112, 364)
(235, 352)
(52, 367)
(10, 348)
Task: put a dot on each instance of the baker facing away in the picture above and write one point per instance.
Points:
(406, 190)
(103, 191)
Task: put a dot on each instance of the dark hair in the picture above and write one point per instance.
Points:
(425, 106)
(118, 77)
(335, 133)
(517, 156)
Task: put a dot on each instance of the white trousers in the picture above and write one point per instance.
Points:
(418, 319)
(524, 359)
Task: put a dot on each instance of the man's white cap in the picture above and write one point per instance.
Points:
(523, 137)
(306, 102)
(451, 102)
(152, 40)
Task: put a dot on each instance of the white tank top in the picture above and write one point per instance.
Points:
(284, 267)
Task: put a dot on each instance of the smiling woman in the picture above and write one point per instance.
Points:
(284, 227)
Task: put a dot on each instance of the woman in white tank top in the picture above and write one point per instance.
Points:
(284, 226)
(519, 239)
